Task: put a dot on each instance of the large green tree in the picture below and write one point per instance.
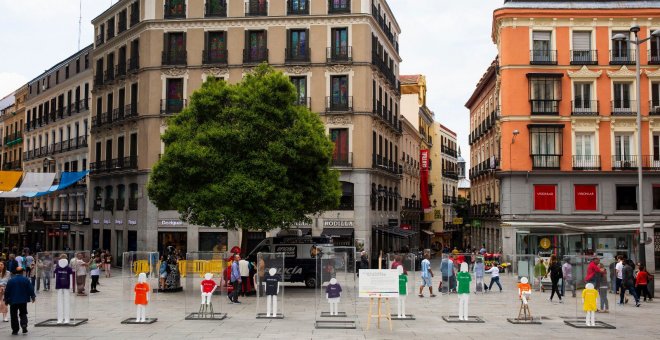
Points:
(246, 156)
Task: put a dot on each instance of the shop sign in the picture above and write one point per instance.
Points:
(545, 243)
(545, 197)
(87, 221)
(424, 180)
(392, 222)
(106, 221)
(585, 197)
(119, 221)
(338, 224)
(65, 226)
(96, 221)
(171, 222)
(458, 220)
(132, 222)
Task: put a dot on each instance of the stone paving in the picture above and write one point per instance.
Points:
(112, 305)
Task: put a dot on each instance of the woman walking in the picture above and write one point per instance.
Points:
(540, 272)
(641, 284)
(108, 263)
(555, 275)
(95, 272)
(5, 275)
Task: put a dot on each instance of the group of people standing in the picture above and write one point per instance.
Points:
(449, 269)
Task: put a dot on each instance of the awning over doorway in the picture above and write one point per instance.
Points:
(32, 182)
(338, 232)
(8, 179)
(396, 231)
(428, 232)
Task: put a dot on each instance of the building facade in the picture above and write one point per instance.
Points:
(57, 126)
(150, 55)
(411, 207)
(446, 138)
(568, 179)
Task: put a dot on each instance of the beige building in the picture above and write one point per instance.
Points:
(56, 133)
(411, 208)
(151, 55)
(446, 138)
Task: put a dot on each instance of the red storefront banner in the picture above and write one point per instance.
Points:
(545, 197)
(585, 197)
(424, 180)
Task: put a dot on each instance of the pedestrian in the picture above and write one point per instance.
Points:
(397, 262)
(12, 264)
(29, 265)
(244, 270)
(567, 274)
(235, 280)
(5, 275)
(619, 273)
(556, 274)
(593, 272)
(46, 269)
(447, 272)
(364, 260)
(628, 283)
(483, 251)
(427, 274)
(80, 266)
(641, 283)
(107, 263)
(162, 272)
(494, 277)
(95, 272)
(602, 290)
(18, 292)
(479, 270)
(540, 272)
(19, 260)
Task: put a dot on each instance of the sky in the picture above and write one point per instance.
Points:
(447, 41)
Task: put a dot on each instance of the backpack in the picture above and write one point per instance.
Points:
(555, 270)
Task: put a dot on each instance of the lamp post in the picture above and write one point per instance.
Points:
(640, 203)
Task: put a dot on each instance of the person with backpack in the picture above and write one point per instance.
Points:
(556, 274)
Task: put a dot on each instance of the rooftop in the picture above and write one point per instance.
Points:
(7, 101)
(410, 79)
(581, 4)
(448, 130)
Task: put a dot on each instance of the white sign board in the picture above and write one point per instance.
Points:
(375, 283)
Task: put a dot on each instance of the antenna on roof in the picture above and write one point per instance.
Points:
(79, 24)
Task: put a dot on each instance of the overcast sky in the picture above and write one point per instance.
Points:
(448, 41)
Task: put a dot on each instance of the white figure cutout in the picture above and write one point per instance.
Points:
(141, 297)
(463, 280)
(589, 297)
(524, 293)
(64, 286)
(207, 288)
(403, 291)
(333, 293)
(272, 283)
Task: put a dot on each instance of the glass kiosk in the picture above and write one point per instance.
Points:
(271, 274)
(522, 300)
(64, 300)
(336, 290)
(204, 285)
(140, 282)
(591, 313)
(450, 266)
(411, 281)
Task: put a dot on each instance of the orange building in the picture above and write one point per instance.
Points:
(565, 140)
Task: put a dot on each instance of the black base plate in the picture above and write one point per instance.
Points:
(263, 316)
(206, 316)
(132, 321)
(328, 315)
(407, 317)
(533, 321)
(53, 323)
(471, 319)
(581, 324)
(336, 325)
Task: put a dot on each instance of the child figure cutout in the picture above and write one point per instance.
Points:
(589, 297)
(403, 291)
(272, 283)
(524, 293)
(463, 279)
(207, 288)
(64, 286)
(141, 290)
(333, 293)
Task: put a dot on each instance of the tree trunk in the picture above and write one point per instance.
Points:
(244, 242)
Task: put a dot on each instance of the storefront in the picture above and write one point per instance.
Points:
(215, 241)
(176, 239)
(342, 232)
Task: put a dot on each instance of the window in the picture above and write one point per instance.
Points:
(346, 201)
(300, 83)
(340, 156)
(339, 100)
(97, 196)
(620, 52)
(622, 102)
(175, 49)
(109, 202)
(582, 98)
(216, 8)
(626, 197)
(545, 197)
(174, 93)
(133, 196)
(298, 7)
(654, 50)
(66, 72)
(216, 48)
(582, 53)
(623, 151)
(122, 22)
(121, 196)
(135, 13)
(544, 93)
(257, 7)
(297, 45)
(655, 99)
(256, 47)
(546, 146)
(656, 197)
(585, 197)
(584, 157)
(656, 150)
(541, 48)
(175, 9)
(111, 28)
(339, 49)
(339, 6)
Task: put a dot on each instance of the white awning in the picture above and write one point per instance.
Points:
(32, 182)
(580, 228)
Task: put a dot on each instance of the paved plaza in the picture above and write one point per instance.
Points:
(109, 307)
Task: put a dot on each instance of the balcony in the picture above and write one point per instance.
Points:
(133, 64)
(171, 106)
(216, 9)
(214, 57)
(584, 108)
(387, 117)
(543, 57)
(304, 101)
(343, 160)
(98, 79)
(255, 55)
(339, 6)
(174, 10)
(622, 57)
(120, 69)
(584, 57)
(15, 165)
(448, 151)
(382, 23)
(109, 76)
(654, 57)
(624, 107)
(130, 110)
(14, 138)
(256, 8)
(548, 162)
(297, 55)
(586, 162)
(297, 7)
(338, 104)
(100, 39)
(545, 106)
(485, 210)
(122, 24)
(654, 107)
(624, 162)
(381, 163)
(343, 54)
(117, 164)
(377, 60)
(120, 203)
(173, 58)
(118, 114)
(450, 174)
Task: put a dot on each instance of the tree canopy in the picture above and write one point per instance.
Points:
(246, 156)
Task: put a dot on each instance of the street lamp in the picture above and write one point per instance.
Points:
(640, 204)
(435, 203)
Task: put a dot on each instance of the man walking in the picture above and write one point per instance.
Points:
(18, 293)
(80, 266)
(567, 270)
(235, 280)
(427, 274)
(619, 273)
(244, 270)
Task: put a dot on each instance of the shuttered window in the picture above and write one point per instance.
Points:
(581, 41)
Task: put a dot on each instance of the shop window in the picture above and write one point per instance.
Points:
(585, 197)
(545, 197)
(213, 241)
(626, 197)
(656, 197)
